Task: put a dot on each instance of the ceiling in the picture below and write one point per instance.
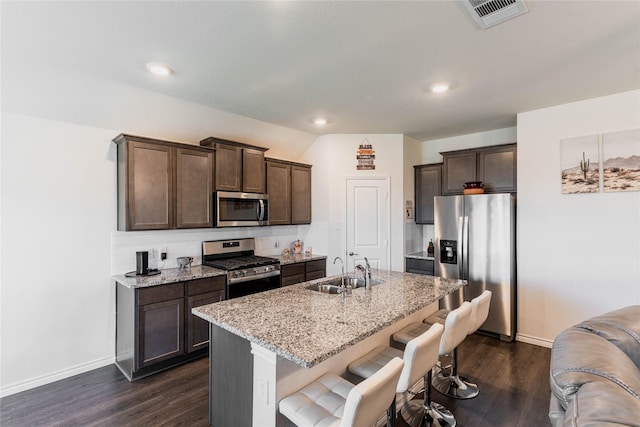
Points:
(366, 66)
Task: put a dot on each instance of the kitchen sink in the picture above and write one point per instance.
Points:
(326, 288)
(359, 283)
(333, 287)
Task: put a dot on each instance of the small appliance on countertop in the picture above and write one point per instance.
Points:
(184, 262)
(142, 266)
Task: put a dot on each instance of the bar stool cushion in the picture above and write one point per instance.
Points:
(455, 328)
(420, 355)
(439, 316)
(367, 400)
(333, 401)
(320, 403)
(373, 361)
(479, 311)
(410, 332)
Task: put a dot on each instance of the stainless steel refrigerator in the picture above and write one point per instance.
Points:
(475, 240)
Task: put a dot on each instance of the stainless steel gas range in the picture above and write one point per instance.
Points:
(247, 273)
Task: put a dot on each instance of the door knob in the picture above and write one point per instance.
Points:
(352, 253)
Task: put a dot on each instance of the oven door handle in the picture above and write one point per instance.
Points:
(231, 281)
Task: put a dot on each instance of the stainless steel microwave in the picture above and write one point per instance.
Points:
(241, 209)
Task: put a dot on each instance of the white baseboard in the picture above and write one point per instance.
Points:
(55, 376)
(541, 342)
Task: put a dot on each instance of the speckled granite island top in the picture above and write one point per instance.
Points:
(308, 327)
(170, 275)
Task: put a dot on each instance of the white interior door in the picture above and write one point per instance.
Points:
(367, 223)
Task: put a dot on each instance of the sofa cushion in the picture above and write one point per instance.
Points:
(620, 327)
(579, 357)
(602, 404)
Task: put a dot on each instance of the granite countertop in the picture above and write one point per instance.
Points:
(170, 275)
(420, 255)
(296, 258)
(308, 327)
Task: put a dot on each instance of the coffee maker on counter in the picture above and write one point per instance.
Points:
(142, 266)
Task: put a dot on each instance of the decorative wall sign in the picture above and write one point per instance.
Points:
(621, 165)
(366, 156)
(579, 162)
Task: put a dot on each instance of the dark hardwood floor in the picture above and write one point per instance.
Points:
(513, 381)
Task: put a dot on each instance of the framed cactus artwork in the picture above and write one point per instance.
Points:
(621, 160)
(580, 165)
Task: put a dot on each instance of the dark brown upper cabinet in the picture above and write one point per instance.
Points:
(428, 183)
(163, 185)
(239, 167)
(228, 168)
(279, 190)
(300, 194)
(495, 166)
(498, 168)
(194, 188)
(289, 189)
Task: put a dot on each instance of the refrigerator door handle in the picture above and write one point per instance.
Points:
(465, 248)
(460, 248)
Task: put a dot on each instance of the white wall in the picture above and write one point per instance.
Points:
(58, 212)
(578, 255)
(334, 159)
(59, 244)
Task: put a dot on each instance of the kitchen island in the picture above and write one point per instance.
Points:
(268, 345)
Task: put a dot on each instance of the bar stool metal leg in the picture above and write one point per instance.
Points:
(427, 413)
(454, 385)
(391, 414)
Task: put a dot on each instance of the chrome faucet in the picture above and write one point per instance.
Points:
(341, 272)
(366, 273)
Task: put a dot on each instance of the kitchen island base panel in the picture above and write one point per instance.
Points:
(239, 369)
(230, 379)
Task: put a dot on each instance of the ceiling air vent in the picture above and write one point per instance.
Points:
(488, 13)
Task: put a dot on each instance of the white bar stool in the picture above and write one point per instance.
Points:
(332, 401)
(420, 355)
(456, 327)
(454, 385)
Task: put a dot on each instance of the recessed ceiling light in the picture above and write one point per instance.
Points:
(159, 69)
(320, 121)
(440, 87)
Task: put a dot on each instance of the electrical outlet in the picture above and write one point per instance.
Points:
(163, 253)
(277, 244)
(263, 390)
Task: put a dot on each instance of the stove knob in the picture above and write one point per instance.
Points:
(256, 271)
(237, 274)
(269, 268)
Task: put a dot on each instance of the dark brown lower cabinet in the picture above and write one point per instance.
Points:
(419, 266)
(155, 329)
(161, 331)
(202, 292)
(290, 274)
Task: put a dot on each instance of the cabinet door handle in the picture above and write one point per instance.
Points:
(352, 253)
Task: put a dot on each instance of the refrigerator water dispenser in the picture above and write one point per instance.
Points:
(448, 251)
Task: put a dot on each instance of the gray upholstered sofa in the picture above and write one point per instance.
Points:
(595, 372)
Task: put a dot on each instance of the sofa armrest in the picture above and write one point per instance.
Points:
(619, 327)
(601, 404)
(580, 357)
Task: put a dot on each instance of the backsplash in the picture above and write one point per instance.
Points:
(417, 237)
(178, 243)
